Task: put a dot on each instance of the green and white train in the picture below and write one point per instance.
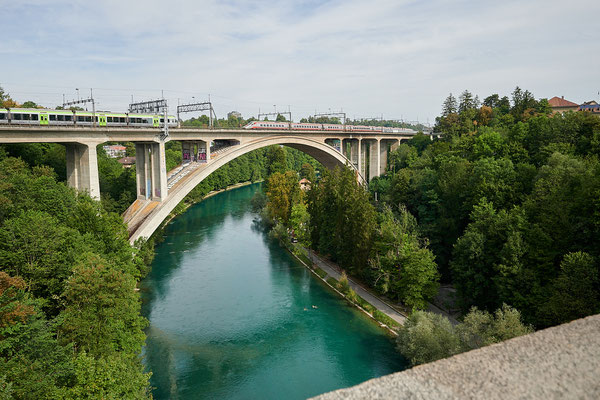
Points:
(39, 116)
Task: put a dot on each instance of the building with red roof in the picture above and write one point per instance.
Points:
(560, 105)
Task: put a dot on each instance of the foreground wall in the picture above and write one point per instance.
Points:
(562, 362)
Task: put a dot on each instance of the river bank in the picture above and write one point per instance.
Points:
(378, 310)
(387, 316)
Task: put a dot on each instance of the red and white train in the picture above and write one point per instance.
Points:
(313, 126)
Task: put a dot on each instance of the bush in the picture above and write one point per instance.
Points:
(343, 285)
(427, 337)
(332, 282)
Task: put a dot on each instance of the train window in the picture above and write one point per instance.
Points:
(68, 118)
(122, 119)
(88, 119)
(16, 117)
(162, 120)
(109, 119)
(60, 117)
(52, 117)
(34, 117)
(2, 116)
(80, 118)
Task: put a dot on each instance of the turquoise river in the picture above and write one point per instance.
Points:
(231, 315)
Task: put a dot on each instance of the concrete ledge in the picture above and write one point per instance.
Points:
(562, 362)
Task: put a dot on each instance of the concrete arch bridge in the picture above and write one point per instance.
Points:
(204, 151)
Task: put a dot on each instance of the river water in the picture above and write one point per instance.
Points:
(231, 315)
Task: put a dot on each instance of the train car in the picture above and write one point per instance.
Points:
(37, 116)
(116, 120)
(273, 125)
(61, 117)
(3, 116)
(359, 128)
(333, 127)
(399, 130)
(26, 116)
(307, 126)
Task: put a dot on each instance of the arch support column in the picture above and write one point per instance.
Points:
(374, 158)
(151, 171)
(82, 168)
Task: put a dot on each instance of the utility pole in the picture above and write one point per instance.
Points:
(155, 107)
(83, 101)
(333, 114)
(206, 106)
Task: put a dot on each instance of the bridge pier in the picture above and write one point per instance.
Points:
(82, 168)
(151, 171)
(374, 158)
(196, 150)
(386, 145)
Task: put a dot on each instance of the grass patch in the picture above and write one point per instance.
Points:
(365, 304)
(381, 317)
(301, 255)
(320, 272)
(352, 296)
(332, 281)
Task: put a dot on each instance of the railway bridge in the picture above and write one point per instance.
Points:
(204, 151)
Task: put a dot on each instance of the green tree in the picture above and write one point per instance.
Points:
(450, 105)
(573, 293)
(32, 363)
(283, 191)
(109, 377)
(276, 160)
(308, 171)
(426, 337)
(466, 101)
(401, 265)
(342, 219)
(29, 104)
(489, 257)
(480, 328)
(38, 248)
(299, 222)
(102, 310)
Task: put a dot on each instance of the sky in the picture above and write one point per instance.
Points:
(394, 59)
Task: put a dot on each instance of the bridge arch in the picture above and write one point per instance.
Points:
(325, 154)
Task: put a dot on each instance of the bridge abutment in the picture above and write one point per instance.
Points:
(82, 168)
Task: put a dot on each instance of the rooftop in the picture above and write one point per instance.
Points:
(561, 102)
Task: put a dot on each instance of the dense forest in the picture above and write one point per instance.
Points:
(70, 324)
(504, 206)
(509, 200)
